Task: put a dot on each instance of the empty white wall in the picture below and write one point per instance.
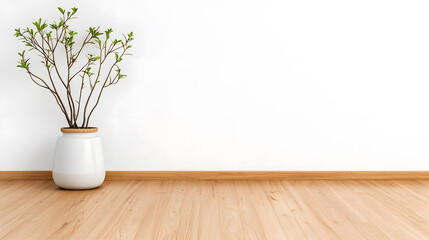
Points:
(239, 85)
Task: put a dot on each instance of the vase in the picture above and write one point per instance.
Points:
(78, 161)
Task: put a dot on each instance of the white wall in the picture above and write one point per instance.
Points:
(239, 85)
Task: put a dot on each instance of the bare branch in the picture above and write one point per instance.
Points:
(46, 38)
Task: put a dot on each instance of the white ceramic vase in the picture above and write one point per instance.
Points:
(78, 161)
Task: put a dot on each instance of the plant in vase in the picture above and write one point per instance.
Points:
(77, 87)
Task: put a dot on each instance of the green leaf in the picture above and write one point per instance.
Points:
(61, 10)
(37, 24)
(54, 26)
(18, 32)
(108, 33)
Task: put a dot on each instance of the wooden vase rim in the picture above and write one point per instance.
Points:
(79, 130)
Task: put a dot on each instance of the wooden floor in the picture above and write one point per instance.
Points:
(295, 209)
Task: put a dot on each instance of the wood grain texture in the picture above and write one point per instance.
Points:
(232, 175)
(79, 130)
(263, 175)
(226, 209)
(25, 175)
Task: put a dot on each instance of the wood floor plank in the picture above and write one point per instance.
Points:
(209, 221)
(310, 222)
(408, 204)
(149, 219)
(229, 216)
(96, 220)
(12, 191)
(250, 220)
(289, 213)
(355, 213)
(263, 208)
(7, 188)
(367, 213)
(26, 210)
(227, 209)
(399, 206)
(128, 223)
(168, 213)
(416, 192)
(405, 228)
(319, 201)
(189, 211)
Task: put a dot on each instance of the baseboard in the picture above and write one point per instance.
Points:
(231, 175)
(25, 175)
